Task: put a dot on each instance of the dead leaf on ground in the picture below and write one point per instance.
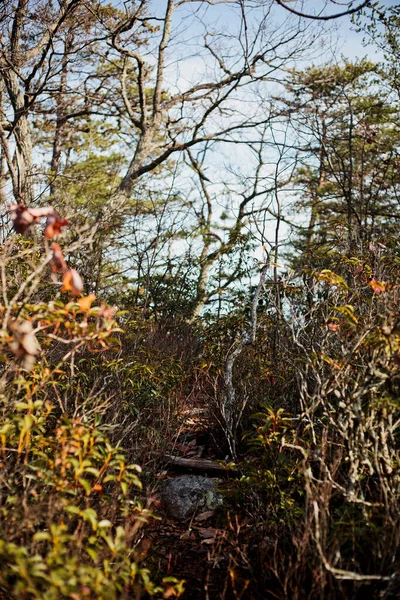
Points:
(205, 515)
(207, 532)
(143, 549)
(187, 535)
(208, 541)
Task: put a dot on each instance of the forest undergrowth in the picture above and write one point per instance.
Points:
(316, 477)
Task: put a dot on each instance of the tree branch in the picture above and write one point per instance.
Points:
(349, 11)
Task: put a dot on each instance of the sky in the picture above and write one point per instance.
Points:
(339, 39)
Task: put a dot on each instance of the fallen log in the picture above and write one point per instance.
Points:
(200, 465)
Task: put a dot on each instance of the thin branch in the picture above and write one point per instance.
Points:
(349, 11)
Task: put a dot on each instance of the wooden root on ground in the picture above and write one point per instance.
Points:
(200, 465)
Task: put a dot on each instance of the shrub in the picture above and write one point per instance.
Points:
(69, 499)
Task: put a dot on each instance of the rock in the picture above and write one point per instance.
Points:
(183, 496)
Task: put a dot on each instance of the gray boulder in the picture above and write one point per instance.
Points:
(185, 495)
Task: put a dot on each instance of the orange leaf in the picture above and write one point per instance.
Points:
(169, 592)
(72, 282)
(86, 302)
(54, 225)
(379, 287)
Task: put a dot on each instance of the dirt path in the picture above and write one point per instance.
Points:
(202, 550)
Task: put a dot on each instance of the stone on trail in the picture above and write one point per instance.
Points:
(185, 495)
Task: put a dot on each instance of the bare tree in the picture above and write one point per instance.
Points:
(163, 116)
(28, 62)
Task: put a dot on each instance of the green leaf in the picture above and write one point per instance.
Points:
(93, 554)
(90, 515)
(73, 509)
(41, 536)
(86, 485)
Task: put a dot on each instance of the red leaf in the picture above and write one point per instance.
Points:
(23, 218)
(59, 263)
